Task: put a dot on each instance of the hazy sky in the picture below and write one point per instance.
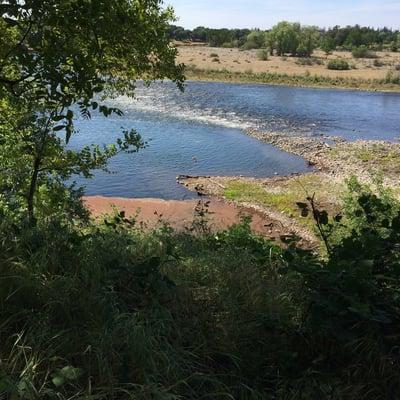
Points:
(265, 13)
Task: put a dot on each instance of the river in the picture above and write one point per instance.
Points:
(201, 132)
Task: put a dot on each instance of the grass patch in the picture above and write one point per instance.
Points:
(282, 196)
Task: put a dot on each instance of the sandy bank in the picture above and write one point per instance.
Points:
(180, 214)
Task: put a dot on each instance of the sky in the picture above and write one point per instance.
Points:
(265, 13)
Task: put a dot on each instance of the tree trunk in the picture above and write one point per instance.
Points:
(32, 190)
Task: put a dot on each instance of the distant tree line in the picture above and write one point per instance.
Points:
(293, 38)
(214, 37)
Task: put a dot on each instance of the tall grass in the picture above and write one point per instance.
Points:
(108, 311)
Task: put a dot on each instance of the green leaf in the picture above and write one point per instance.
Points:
(71, 373)
(58, 380)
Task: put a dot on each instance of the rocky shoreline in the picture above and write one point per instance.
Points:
(340, 158)
(334, 161)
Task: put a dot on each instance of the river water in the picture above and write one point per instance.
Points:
(201, 132)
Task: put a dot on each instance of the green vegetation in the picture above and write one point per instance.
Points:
(390, 83)
(291, 38)
(106, 310)
(393, 77)
(255, 40)
(49, 73)
(286, 193)
(338, 64)
(363, 52)
(309, 61)
(263, 55)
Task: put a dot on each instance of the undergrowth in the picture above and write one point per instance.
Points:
(108, 311)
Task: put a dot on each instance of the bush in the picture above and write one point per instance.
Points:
(309, 61)
(378, 63)
(394, 46)
(263, 55)
(338, 64)
(393, 77)
(214, 55)
(363, 52)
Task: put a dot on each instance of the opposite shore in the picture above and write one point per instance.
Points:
(244, 66)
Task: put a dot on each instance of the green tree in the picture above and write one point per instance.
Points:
(255, 40)
(309, 37)
(284, 38)
(57, 56)
(328, 44)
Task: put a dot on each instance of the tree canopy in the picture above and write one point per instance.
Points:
(59, 56)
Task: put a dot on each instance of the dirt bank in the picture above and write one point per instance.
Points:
(181, 214)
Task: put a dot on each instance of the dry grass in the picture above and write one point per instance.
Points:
(235, 60)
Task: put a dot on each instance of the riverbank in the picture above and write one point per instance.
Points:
(244, 66)
(335, 161)
(214, 214)
(304, 80)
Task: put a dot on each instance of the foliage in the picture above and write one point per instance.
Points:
(328, 44)
(263, 55)
(346, 37)
(284, 38)
(393, 77)
(308, 41)
(309, 61)
(363, 52)
(173, 315)
(61, 57)
(255, 40)
(292, 38)
(338, 64)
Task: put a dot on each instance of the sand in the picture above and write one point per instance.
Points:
(180, 214)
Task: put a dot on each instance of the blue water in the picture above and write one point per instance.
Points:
(200, 132)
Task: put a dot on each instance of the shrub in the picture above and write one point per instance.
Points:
(338, 64)
(309, 61)
(393, 77)
(363, 52)
(378, 63)
(394, 46)
(214, 55)
(230, 45)
(263, 55)
(397, 67)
